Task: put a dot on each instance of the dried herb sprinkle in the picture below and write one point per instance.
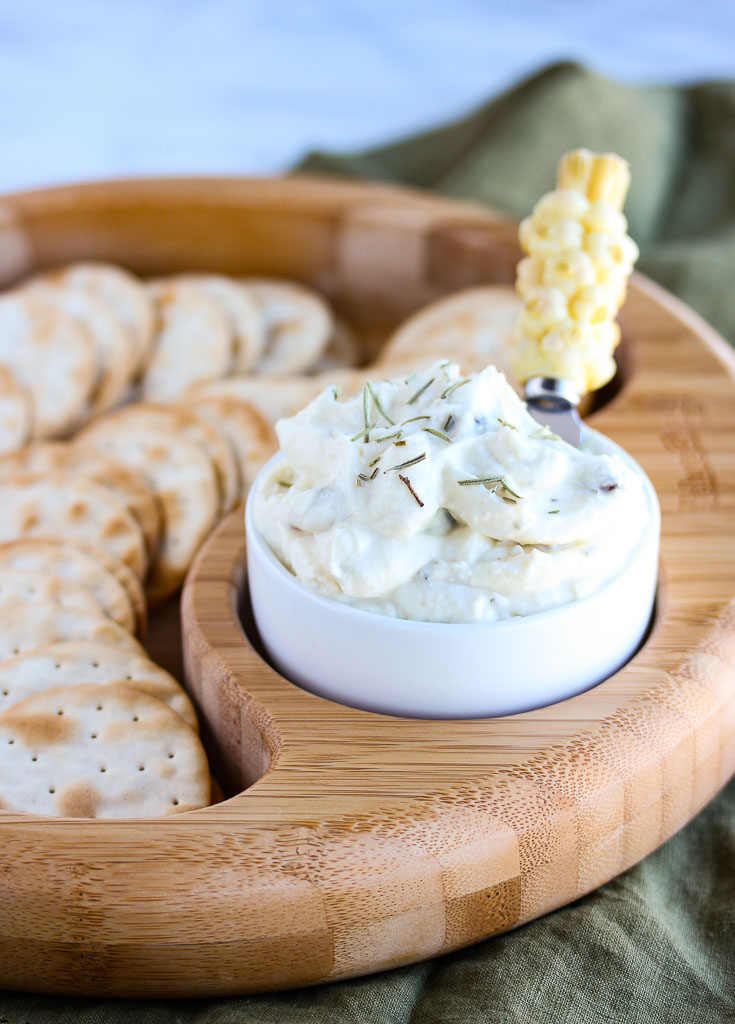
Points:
(405, 465)
(420, 391)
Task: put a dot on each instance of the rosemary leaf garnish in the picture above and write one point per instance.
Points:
(411, 376)
(375, 460)
(480, 480)
(375, 473)
(364, 433)
(358, 481)
(554, 511)
(491, 483)
(448, 422)
(363, 477)
(335, 391)
(365, 409)
(388, 437)
(437, 433)
(378, 406)
(453, 387)
(285, 483)
(399, 444)
(420, 391)
(414, 418)
(505, 423)
(405, 465)
(407, 482)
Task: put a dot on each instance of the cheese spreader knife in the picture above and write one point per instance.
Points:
(573, 281)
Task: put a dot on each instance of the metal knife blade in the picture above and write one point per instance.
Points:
(553, 402)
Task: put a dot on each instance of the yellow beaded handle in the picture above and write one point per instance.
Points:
(573, 279)
(601, 178)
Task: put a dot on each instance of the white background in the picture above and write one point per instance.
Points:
(94, 89)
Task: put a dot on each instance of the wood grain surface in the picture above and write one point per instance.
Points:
(351, 841)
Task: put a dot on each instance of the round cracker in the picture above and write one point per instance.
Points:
(241, 311)
(16, 412)
(208, 433)
(24, 586)
(129, 486)
(69, 506)
(193, 341)
(51, 355)
(99, 751)
(181, 474)
(251, 437)
(78, 566)
(72, 662)
(184, 421)
(123, 293)
(115, 348)
(298, 325)
(472, 327)
(25, 626)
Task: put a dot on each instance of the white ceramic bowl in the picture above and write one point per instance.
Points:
(451, 670)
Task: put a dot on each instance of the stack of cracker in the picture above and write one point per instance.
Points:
(71, 345)
(89, 725)
(211, 327)
(83, 709)
(80, 700)
(82, 340)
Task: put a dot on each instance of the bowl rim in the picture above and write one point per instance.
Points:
(650, 532)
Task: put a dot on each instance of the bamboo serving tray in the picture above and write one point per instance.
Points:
(353, 842)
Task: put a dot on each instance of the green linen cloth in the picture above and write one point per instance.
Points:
(657, 945)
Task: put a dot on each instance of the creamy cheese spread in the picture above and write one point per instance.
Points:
(437, 497)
